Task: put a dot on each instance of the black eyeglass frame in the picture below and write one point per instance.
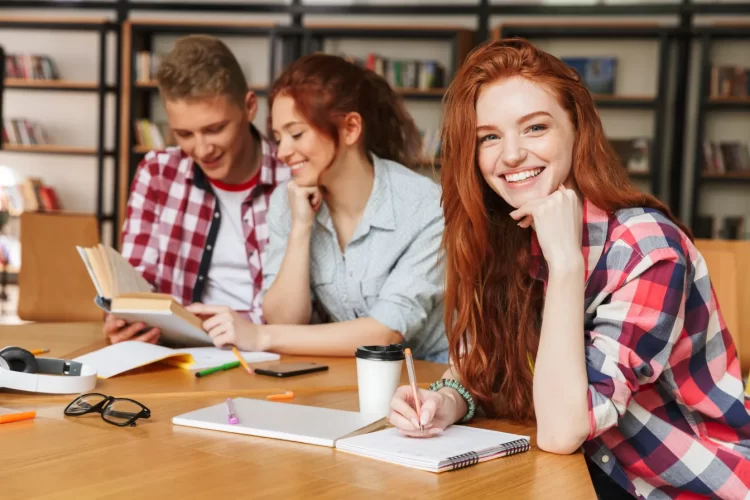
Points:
(102, 405)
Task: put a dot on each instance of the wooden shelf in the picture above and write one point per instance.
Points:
(624, 101)
(29, 84)
(414, 92)
(639, 175)
(153, 85)
(48, 148)
(728, 177)
(729, 103)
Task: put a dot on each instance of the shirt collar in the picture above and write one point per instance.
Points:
(267, 171)
(594, 238)
(379, 211)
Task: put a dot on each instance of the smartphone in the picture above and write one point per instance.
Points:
(290, 369)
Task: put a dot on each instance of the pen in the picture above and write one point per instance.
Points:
(413, 382)
(225, 366)
(16, 417)
(231, 414)
(242, 360)
(40, 351)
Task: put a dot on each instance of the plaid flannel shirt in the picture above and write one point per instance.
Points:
(173, 219)
(666, 411)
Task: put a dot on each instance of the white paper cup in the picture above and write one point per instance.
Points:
(378, 376)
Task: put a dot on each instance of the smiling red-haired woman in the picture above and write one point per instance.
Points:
(571, 297)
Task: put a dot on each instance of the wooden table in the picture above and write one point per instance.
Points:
(54, 456)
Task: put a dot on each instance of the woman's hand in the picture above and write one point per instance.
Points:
(558, 222)
(304, 202)
(225, 326)
(118, 330)
(438, 412)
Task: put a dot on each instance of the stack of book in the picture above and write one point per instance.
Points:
(597, 73)
(635, 154)
(31, 195)
(153, 135)
(146, 65)
(730, 81)
(30, 67)
(23, 131)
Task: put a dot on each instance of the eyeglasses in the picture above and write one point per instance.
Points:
(116, 411)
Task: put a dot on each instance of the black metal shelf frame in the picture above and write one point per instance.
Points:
(102, 89)
(707, 36)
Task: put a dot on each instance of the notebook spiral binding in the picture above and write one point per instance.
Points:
(464, 460)
(472, 457)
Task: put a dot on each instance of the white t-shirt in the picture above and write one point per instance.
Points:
(229, 282)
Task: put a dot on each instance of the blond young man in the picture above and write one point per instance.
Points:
(196, 216)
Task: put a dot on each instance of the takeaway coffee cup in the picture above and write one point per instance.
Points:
(378, 376)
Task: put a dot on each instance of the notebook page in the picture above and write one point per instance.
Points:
(208, 357)
(124, 356)
(425, 453)
(90, 270)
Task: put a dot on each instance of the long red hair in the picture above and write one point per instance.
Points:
(492, 306)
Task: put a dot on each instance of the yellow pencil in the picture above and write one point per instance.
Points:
(237, 353)
(39, 351)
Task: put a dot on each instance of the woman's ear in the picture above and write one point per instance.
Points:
(350, 130)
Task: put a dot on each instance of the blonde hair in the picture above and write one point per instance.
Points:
(201, 66)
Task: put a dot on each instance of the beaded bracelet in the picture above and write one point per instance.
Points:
(455, 385)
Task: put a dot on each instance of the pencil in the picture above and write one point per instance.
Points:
(413, 382)
(237, 353)
(39, 351)
(17, 417)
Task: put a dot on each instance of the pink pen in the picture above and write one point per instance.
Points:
(231, 414)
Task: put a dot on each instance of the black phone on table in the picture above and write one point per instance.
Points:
(283, 370)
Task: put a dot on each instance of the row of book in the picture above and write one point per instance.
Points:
(431, 142)
(725, 156)
(598, 74)
(23, 131)
(422, 74)
(30, 67)
(725, 228)
(153, 135)
(146, 65)
(30, 195)
(730, 81)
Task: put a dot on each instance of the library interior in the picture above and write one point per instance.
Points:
(138, 349)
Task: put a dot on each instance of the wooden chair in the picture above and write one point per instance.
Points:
(729, 268)
(53, 282)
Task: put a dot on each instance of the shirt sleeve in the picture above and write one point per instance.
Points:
(139, 237)
(632, 333)
(279, 224)
(415, 285)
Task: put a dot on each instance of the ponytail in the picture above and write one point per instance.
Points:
(325, 87)
(390, 131)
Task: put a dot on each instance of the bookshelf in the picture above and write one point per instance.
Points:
(101, 28)
(728, 184)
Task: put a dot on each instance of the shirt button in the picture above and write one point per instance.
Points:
(605, 459)
(216, 215)
(209, 247)
(200, 278)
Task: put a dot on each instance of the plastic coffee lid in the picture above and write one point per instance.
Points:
(393, 352)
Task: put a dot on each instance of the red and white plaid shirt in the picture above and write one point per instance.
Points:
(666, 411)
(173, 219)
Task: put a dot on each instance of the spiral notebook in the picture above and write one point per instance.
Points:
(457, 447)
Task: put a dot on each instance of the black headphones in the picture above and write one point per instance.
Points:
(16, 359)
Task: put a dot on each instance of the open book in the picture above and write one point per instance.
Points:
(122, 291)
(125, 356)
(456, 447)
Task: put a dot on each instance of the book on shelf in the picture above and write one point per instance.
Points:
(153, 135)
(30, 195)
(419, 74)
(727, 228)
(721, 157)
(635, 154)
(122, 291)
(146, 64)
(730, 81)
(30, 67)
(23, 131)
(598, 74)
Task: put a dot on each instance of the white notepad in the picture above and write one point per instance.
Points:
(125, 356)
(289, 422)
(456, 447)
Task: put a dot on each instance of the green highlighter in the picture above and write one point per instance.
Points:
(209, 371)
